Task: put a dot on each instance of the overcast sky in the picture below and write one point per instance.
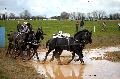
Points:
(55, 7)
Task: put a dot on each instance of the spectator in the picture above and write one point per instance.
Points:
(81, 25)
(77, 24)
(104, 26)
(18, 26)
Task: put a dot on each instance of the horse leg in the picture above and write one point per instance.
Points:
(80, 56)
(78, 53)
(8, 50)
(57, 56)
(60, 52)
(36, 54)
(73, 55)
(52, 56)
(32, 56)
(47, 55)
(16, 53)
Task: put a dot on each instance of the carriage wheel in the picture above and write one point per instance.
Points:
(16, 53)
(27, 54)
(13, 53)
(24, 55)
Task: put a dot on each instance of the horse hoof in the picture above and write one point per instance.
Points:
(6, 54)
(38, 60)
(51, 60)
(59, 63)
(82, 62)
(76, 60)
(43, 62)
(23, 60)
(29, 59)
(68, 62)
(14, 57)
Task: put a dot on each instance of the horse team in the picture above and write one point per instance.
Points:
(25, 43)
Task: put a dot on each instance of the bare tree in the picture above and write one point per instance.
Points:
(72, 15)
(25, 14)
(98, 14)
(95, 14)
(77, 15)
(81, 16)
(114, 16)
(21, 16)
(102, 14)
(11, 16)
(64, 15)
(89, 16)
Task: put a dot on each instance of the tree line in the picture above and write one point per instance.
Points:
(95, 15)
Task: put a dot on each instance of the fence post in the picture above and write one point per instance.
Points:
(94, 29)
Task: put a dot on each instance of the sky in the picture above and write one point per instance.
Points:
(55, 7)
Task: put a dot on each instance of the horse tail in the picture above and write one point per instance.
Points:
(47, 43)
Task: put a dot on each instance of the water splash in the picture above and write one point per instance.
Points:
(93, 69)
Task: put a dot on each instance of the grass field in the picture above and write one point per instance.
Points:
(50, 27)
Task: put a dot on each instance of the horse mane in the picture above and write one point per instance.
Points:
(85, 30)
(37, 34)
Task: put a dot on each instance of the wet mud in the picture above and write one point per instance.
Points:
(96, 65)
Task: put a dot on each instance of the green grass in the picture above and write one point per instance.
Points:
(50, 27)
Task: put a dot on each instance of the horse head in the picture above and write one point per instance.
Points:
(29, 26)
(40, 34)
(83, 36)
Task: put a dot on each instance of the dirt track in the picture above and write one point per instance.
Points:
(96, 66)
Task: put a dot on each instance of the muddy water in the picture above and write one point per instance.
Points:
(93, 69)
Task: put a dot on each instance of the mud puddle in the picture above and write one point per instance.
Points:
(93, 69)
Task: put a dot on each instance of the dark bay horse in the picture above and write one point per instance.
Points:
(19, 42)
(36, 42)
(73, 44)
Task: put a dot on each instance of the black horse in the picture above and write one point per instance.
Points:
(73, 44)
(35, 43)
(19, 42)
